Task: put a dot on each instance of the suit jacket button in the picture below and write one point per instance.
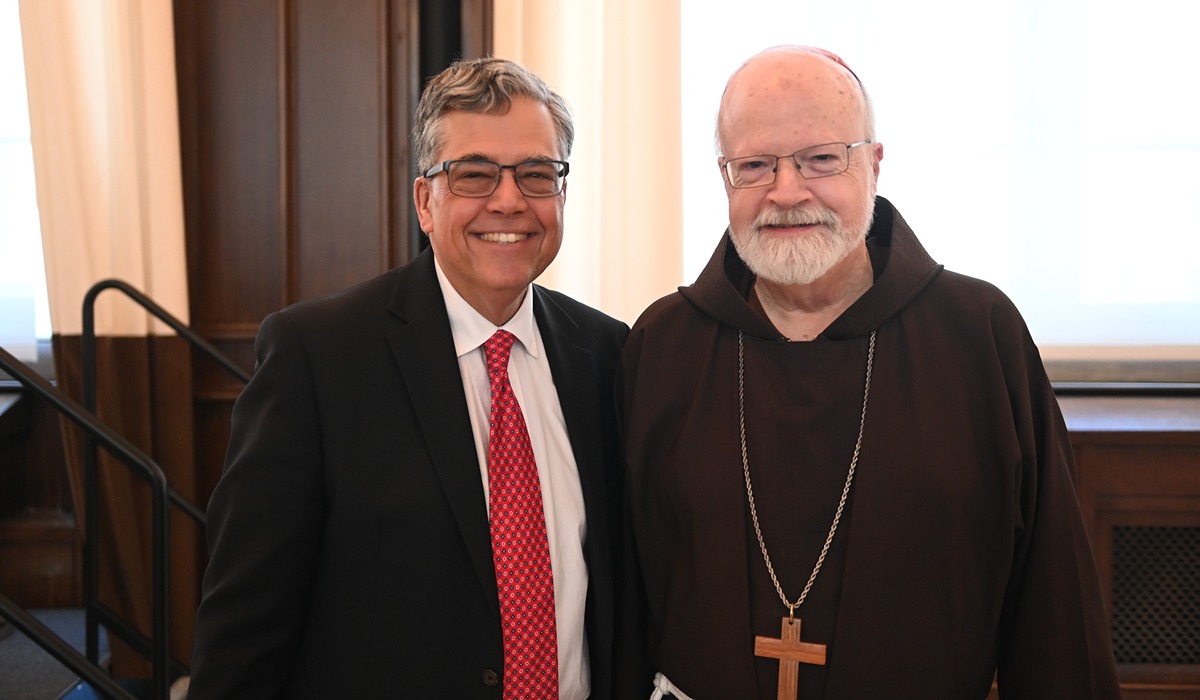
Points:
(490, 677)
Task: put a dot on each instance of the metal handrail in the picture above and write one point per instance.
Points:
(159, 657)
(45, 637)
(88, 352)
(157, 646)
(198, 341)
(145, 467)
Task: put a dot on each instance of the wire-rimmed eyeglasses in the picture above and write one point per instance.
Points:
(480, 178)
(815, 161)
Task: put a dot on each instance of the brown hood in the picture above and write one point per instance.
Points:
(902, 269)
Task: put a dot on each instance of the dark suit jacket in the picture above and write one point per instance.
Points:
(351, 555)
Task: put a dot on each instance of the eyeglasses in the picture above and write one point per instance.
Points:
(813, 162)
(480, 178)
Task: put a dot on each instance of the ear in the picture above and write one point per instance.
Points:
(878, 149)
(422, 194)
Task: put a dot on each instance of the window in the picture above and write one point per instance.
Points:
(1047, 147)
(24, 310)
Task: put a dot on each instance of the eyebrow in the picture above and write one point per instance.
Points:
(482, 156)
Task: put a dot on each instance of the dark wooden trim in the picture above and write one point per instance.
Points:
(477, 27)
(404, 91)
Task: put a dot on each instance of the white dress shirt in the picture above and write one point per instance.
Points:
(562, 493)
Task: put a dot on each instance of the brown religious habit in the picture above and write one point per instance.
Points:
(791, 652)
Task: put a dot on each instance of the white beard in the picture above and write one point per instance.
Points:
(801, 259)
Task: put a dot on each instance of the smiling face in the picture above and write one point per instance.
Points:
(492, 247)
(796, 230)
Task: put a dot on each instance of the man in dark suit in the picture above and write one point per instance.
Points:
(351, 534)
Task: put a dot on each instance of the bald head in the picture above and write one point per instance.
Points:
(795, 75)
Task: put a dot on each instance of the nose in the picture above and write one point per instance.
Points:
(507, 197)
(790, 187)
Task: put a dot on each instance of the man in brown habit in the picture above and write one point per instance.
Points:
(828, 427)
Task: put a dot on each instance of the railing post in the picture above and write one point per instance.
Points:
(163, 494)
(95, 432)
(91, 522)
(132, 457)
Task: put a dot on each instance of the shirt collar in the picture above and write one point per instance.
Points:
(471, 330)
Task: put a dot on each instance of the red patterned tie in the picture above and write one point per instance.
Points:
(519, 546)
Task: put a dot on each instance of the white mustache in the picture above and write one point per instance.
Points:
(795, 217)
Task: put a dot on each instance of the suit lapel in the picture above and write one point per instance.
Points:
(575, 382)
(580, 395)
(424, 352)
(423, 348)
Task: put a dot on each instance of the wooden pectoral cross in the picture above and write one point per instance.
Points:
(791, 652)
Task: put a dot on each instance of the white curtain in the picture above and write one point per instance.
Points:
(617, 63)
(23, 284)
(105, 135)
(105, 132)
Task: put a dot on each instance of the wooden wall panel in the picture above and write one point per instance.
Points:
(1148, 493)
(340, 146)
(38, 529)
(294, 117)
(1138, 478)
(232, 89)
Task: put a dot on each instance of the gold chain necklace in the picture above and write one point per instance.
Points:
(837, 516)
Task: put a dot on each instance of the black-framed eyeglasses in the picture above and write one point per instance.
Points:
(480, 178)
(815, 161)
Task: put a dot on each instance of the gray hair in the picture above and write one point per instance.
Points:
(482, 86)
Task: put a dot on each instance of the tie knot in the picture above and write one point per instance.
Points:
(496, 352)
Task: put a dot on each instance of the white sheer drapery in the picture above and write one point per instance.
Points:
(617, 63)
(23, 284)
(105, 132)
